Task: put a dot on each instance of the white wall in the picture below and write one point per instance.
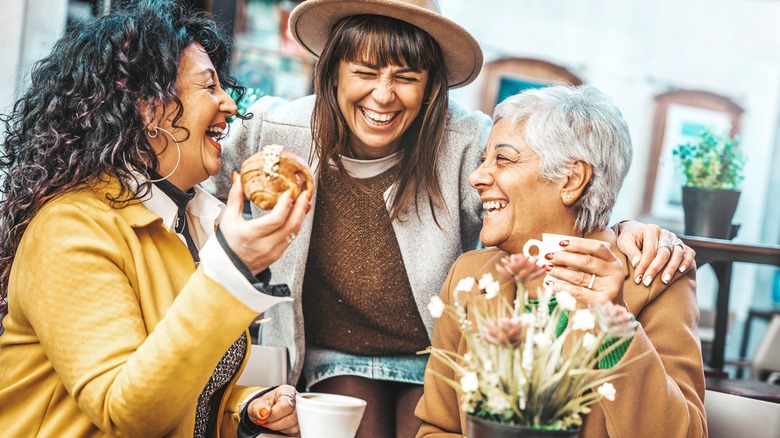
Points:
(28, 28)
(637, 49)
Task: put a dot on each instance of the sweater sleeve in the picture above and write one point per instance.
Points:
(668, 377)
(439, 406)
(80, 298)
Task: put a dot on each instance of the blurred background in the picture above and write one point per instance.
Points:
(669, 64)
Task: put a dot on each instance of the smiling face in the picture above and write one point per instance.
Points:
(519, 204)
(379, 104)
(206, 107)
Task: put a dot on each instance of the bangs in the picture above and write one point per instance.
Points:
(381, 41)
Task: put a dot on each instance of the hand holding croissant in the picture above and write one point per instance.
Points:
(272, 171)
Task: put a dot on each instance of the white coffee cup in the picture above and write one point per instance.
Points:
(550, 243)
(322, 415)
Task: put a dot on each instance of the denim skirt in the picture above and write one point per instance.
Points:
(322, 363)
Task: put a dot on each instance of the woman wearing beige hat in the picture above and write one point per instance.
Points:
(393, 207)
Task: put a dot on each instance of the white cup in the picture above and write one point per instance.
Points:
(322, 415)
(550, 243)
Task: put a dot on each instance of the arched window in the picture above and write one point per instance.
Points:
(507, 76)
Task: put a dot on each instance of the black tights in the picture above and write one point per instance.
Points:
(390, 405)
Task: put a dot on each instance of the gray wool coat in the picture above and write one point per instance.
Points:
(427, 250)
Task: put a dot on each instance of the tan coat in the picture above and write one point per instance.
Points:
(661, 396)
(111, 330)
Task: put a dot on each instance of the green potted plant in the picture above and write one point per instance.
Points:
(713, 168)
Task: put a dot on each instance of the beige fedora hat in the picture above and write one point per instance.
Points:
(311, 23)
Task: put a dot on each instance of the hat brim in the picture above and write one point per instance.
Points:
(312, 21)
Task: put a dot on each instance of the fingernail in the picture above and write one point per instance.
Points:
(683, 268)
(666, 278)
(548, 268)
(233, 177)
(310, 194)
(549, 256)
(638, 279)
(263, 413)
(292, 196)
(308, 208)
(647, 281)
(634, 261)
(564, 243)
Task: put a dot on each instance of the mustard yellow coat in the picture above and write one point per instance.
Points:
(111, 330)
(663, 393)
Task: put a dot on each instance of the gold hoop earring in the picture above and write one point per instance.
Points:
(178, 151)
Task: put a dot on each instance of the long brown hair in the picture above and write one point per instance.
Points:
(386, 41)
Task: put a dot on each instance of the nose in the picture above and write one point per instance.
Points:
(481, 176)
(227, 105)
(383, 90)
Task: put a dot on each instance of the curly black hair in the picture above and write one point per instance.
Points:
(80, 120)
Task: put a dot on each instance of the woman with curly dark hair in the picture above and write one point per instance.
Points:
(129, 289)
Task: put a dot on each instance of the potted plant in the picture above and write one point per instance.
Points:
(517, 380)
(713, 168)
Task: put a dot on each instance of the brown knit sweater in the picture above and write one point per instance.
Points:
(356, 294)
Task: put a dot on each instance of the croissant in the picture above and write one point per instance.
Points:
(272, 171)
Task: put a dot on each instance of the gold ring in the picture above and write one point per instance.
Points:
(592, 280)
(290, 238)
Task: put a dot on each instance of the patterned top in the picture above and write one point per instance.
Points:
(222, 375)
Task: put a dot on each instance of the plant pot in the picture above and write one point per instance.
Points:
(708, 212)
(481, 428)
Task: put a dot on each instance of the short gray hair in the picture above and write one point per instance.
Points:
(566, 124)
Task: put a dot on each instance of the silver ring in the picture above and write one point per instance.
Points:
(290, 398)
(678, 242)
(290, 238)
(667, 243)
(592, 280)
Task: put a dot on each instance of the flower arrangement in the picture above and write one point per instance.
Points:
(713, 162)
(521, 369)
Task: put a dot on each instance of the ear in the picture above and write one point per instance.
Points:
(578, 179)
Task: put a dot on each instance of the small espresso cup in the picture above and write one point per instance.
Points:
(323, 415)
(550, 243)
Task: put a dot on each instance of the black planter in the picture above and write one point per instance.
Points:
(480, 428)
(708, 212)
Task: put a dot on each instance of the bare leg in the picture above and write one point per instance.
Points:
(407, 396)
(379, 417)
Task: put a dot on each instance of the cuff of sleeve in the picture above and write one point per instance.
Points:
(218, 266)
(246, 428)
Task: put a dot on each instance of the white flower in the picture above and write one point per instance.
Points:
(436, 306)
(541, 339)
(485, 281)
(607, 391)
(465, 285)
(491, 290)
(527, 319)
(498, 403)
(583, 320)
(470, 383)
(566, 301)
(588, 341)
(488, 365)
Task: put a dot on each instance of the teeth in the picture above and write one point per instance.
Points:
(378, 117)
(215, 131)
(493, 205)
